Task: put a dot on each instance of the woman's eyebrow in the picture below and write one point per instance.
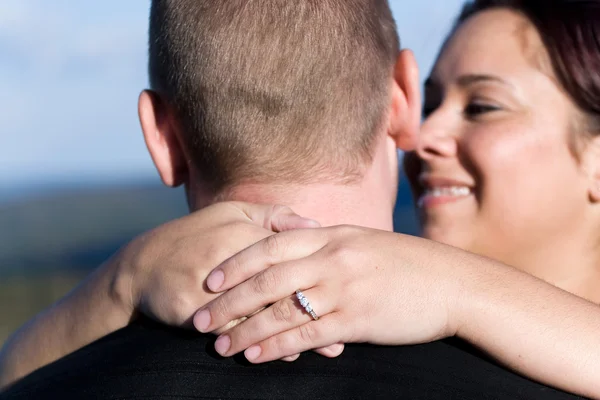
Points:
(471, 79)
(468, 80)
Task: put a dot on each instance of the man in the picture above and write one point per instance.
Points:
(300, 103)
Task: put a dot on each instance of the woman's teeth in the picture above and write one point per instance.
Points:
(457, 191)
(449, 191)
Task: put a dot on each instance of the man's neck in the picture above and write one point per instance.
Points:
(367, 202)
(326, 203)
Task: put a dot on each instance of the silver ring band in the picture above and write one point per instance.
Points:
(306, 304)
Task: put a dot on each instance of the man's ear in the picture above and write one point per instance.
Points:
(405, 113)
(162, 140)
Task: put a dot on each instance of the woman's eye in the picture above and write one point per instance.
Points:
(475, 109)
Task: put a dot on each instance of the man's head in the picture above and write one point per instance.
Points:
(273, 91)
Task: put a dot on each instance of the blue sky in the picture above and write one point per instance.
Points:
(71, 71)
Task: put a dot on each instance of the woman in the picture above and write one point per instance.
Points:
(508, 167)
(458, 192)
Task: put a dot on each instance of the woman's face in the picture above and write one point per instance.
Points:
(497, 174)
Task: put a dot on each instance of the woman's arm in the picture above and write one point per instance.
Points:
(532, 327)
(433, 291)
(90, 311)
(391, 289)
(160, 273)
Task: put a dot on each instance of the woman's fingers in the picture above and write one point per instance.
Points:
(276, 218)
(335, 350)
(315, 334)
(291, 358)
(282, 218)
(275, 249)
(264, 288)
(282, 316)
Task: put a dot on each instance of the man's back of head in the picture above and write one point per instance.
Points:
(274, 91)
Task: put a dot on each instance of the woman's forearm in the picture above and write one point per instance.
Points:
(532, 327)
(90, 311)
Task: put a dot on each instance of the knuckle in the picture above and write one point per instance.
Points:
(181, 307)
(221, 311)
(308, 333)
(355, 333)
(280, 209)
(237, 226)
(182, 245)
(265, 282)
(280, 344)
(216, 251)
(287, 343)
(230, 239)
(343, 254)
(282, 311)
(194, 279)
(345, 230)
(213, 253)
(273, 246)
(232, 267)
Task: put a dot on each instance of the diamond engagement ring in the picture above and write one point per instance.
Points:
(304, 303)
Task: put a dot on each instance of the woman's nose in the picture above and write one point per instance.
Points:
(435, 142)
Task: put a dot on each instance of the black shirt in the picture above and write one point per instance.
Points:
(148, 361)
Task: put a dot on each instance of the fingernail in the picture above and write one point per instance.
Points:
(312, 223)
(335, 349)
(215, 280)
(202, 320)
(252, 353)
(223, 344)
(291, 358)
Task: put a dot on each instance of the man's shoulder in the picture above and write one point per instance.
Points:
(147, 360)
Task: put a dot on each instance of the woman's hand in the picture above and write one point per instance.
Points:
(365, 285)
(162, 273)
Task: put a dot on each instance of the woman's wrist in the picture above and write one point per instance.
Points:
(452, 276)
(92, 310)
(119, 287)
(118, 280)
(475, 296)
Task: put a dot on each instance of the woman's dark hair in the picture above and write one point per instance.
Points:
(570, 31)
